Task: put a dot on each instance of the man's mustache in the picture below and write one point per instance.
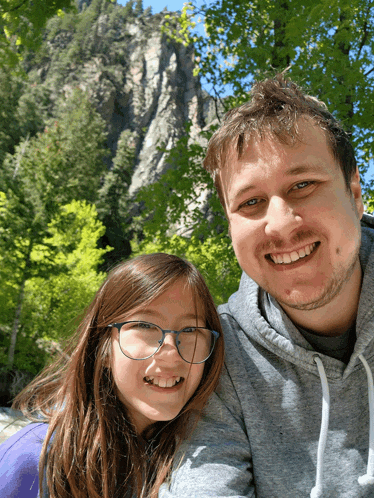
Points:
(277, 244)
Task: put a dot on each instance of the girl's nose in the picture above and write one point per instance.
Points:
(169, 347)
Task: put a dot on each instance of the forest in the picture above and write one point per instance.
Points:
(66, 213)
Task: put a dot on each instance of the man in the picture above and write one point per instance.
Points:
(291, 417)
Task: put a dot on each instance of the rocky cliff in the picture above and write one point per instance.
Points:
(141, 82)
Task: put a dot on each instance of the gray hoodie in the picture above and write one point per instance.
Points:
(285, 422)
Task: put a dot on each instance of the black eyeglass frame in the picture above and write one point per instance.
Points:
(215, 334)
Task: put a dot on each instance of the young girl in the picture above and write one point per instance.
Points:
(108, 420)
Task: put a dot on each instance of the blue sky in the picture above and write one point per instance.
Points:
(158, 5)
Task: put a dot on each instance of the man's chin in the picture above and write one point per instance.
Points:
(301, 302)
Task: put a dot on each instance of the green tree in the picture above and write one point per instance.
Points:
(114, 204)
(21, 230)
(22, 23)
(138, 11)
(10, 92)
(21, 115)
(59, 165)
(53, 301)
(214, 257)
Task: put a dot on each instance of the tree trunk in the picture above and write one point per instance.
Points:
(13, 338)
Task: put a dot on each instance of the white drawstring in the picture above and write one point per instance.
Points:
(368, 478)
(317, 490)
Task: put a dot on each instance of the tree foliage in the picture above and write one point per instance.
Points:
(22, 23)
(21, 111)
(59, 165)
(327, 47)
(113, 202)
(53, 304)
(52, 299)
(214, 257)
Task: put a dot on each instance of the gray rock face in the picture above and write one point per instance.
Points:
(141, 82)
(165, 95)
(10, 423)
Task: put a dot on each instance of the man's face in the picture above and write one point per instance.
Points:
(294, 227)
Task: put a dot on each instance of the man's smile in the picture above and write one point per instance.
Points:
(287, 258)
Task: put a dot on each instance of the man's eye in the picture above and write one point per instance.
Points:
(301, 185)
(251, 202)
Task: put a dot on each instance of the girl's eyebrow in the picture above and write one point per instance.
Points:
(155, 313)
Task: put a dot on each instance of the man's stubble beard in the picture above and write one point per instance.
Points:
(333, 289)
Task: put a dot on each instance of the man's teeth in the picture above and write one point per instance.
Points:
(161, 382)
(291, 257)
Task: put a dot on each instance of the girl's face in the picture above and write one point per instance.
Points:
(139, 382)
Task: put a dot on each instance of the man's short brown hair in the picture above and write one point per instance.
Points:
(275, 108)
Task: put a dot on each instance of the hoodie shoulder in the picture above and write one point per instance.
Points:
(367, 242)
(367, 221)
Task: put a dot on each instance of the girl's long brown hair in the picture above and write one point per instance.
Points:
(91, 449)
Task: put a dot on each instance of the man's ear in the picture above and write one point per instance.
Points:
(355, 186)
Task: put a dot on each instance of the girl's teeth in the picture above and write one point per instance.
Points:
(160, 382)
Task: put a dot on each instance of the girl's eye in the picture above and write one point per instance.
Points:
(144, 325)
(189, 329)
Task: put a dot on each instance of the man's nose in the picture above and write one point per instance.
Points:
(282, 218)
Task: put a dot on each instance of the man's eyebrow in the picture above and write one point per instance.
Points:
(242, 191)
(303, 168)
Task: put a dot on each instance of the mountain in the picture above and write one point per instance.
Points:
(141, 82)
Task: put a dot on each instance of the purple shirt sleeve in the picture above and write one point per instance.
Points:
(19, 462)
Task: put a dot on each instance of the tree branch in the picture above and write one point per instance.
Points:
(14, 8)
(366, 34)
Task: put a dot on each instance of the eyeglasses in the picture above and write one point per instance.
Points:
(141, 340)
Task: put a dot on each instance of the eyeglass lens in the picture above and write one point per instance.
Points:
(140, 340)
